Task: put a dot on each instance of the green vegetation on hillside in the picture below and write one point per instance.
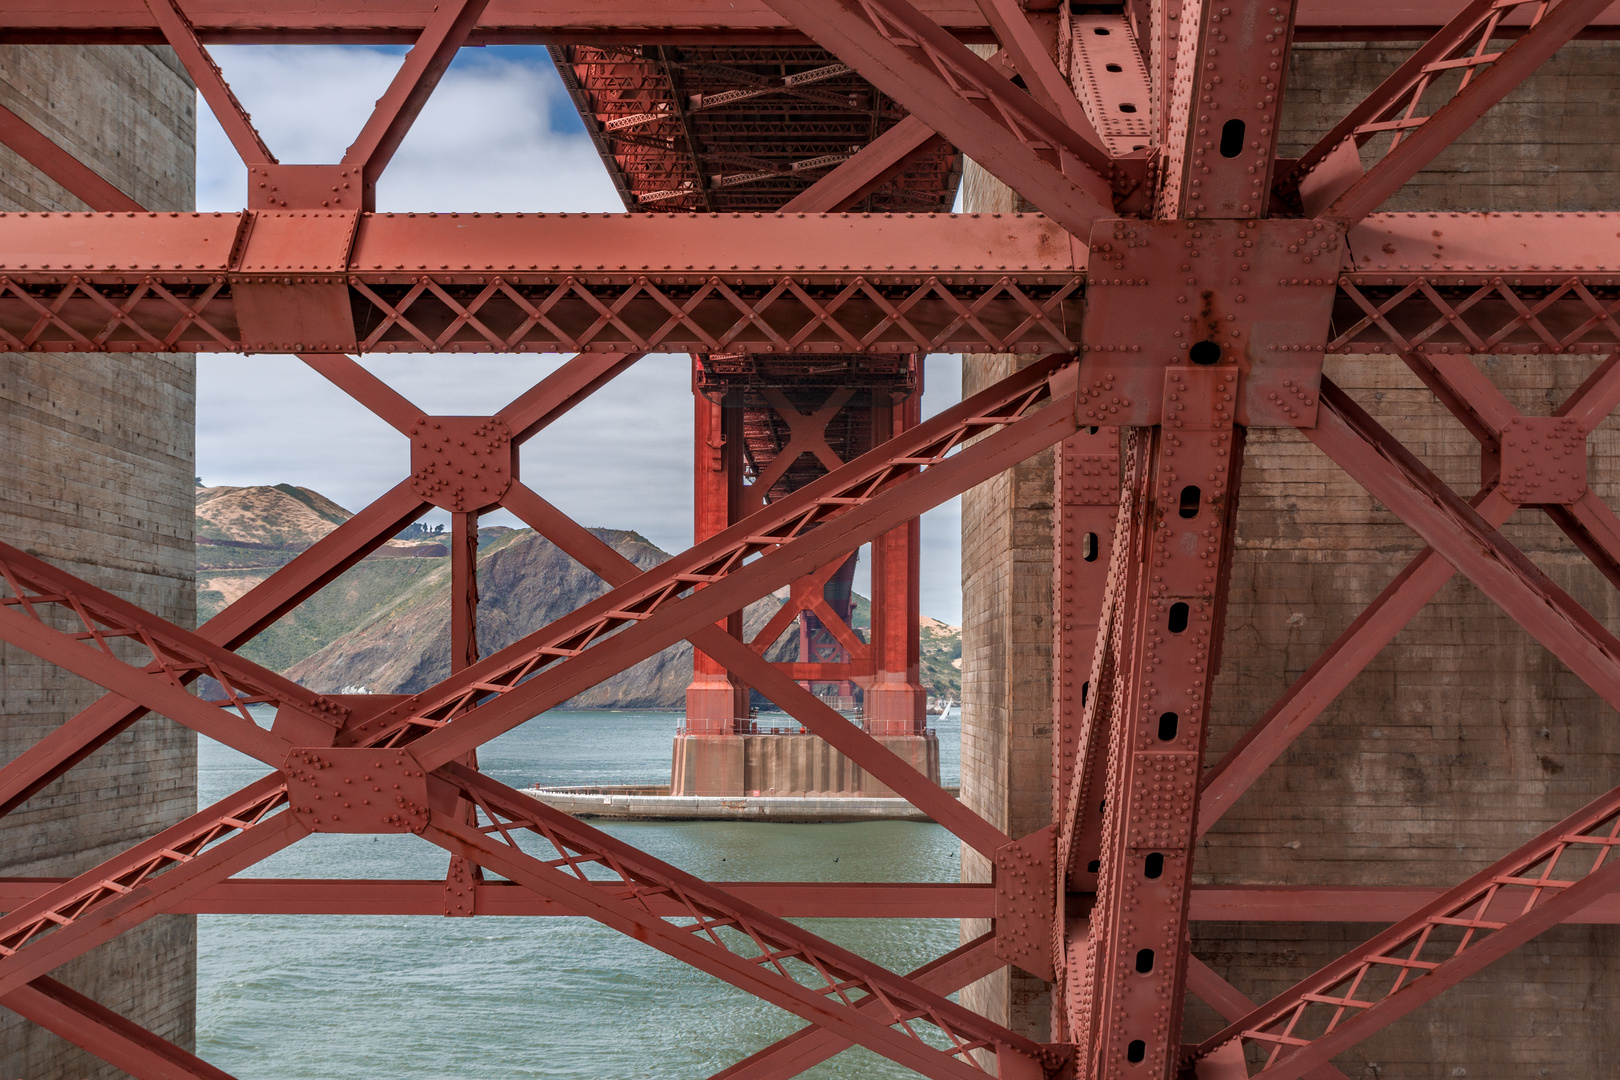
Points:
(383, 623)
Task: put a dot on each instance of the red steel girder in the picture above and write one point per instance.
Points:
(127, 889)
(310, 570)
(1328, 180)
(892, 283)
(109, 1036)
(808, 1047)
(446, 30)
(145, 880)
(1225, 104)
(177, 32)
(789, 899)
(776, 681)
(753, 953)
(123, 892)
(539, 22)
(176, 657)
(336, 281)
(74, 176)
(1457, 532)
(915, 61)
(875, 492)
(1437, 945)
(1400, 601)
(1172, 564)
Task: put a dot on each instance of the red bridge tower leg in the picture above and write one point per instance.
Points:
(766, 426)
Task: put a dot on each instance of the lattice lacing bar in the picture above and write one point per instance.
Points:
(1402, 958)
(790, 331)
(919, 314)
(1469, 55)
(1526, 315)
(964, 81)
(122, 875)
(176, 657)
(799, 961)
(118, 316)
(763, 532)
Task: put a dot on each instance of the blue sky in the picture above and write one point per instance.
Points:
(499, 133)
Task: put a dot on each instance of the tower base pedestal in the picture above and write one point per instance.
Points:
(787, 764)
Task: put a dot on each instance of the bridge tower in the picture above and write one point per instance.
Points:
(766, 426)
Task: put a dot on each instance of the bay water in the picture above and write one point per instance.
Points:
(289, 997)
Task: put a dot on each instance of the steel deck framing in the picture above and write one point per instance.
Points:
(1147, 394)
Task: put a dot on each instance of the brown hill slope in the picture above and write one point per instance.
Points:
(279, 515)
(384, 625)
(524, 582)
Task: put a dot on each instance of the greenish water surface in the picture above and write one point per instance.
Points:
(293, 997)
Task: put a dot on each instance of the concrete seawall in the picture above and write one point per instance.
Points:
(655, 803)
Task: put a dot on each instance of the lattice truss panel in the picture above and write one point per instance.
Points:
(1181, 286)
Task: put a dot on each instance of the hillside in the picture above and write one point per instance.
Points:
(279, 515)
(382, 626)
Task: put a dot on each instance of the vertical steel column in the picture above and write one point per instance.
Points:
(716, 703)
(1086, 487)
(463, 590)
(1086, 484)
(462, 877)
(1176, 578)
(896, 703)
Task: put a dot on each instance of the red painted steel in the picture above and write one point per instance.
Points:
(791, 900)
(716, 702)
(111, 1037)
(1442, 941)
(1181, 298)
(811, 1046)
(76, 178)
(753, 956)
(1177, 548)
(531, 22)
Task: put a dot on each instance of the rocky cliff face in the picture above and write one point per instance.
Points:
(524, 582)
(383, 626)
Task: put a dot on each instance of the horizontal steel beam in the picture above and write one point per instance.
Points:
(518, 22)
(368, 896)
(328, 282)
(1340, 903)
(789, 900)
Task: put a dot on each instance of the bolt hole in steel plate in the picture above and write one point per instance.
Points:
(1136, 1051)
(1178, 616)
(1144, 961)
(1232, 138)
(1169, 723)
(1191, 496)
(1205, 353)
(1153, 865)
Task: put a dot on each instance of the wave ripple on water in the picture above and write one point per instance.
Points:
(400, 998)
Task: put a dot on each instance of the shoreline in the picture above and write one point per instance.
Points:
(653, 802)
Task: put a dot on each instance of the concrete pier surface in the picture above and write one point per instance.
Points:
(99, 462)
(653, 802)
(1451, 748)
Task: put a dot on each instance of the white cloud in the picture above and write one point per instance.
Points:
(488, 139)
(499, 133)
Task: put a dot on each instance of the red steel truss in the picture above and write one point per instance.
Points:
(1181, 284)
